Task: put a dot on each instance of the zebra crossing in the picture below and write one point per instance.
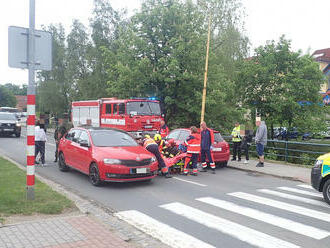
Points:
(235, 203)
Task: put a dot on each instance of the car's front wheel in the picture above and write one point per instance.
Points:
(94, 175)
(61, 163)
(326, 191)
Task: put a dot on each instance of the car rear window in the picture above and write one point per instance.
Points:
(111, 138)
(218, 137)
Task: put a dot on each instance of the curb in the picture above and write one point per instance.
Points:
(269, 174)
(105, 215)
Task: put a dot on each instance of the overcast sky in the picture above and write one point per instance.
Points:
(305, 22)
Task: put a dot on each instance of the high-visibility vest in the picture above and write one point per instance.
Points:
(148, 141)
(163, 131)
(236, 134)
(193, 143)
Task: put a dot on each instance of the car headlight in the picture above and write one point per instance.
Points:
(318, 163)
(111, 161)
(153, 159)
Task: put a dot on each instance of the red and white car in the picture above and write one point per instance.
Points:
(106, 155)
(220, 151)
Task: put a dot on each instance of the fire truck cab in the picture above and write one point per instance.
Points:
(132, 115)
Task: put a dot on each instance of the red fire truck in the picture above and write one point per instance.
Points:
(132, 115)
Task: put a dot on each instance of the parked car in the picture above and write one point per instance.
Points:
(220, 151)
(320, 176)
(106, 155)
(283, 133)
(9, 124)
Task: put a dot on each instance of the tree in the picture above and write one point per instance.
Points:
(7, 98)
(161, 53)
(282, 85)
(16, 89)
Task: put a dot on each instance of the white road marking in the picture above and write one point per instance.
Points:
(51, 144)
(306, 186)
(299, 191)
(282, 205)
(294, 197)
(187, 181)
(235, 230)
(168, 235)
(292, 226)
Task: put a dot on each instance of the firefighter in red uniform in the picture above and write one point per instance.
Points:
(160, 142)
(151, 146)
(207, 140)
(193, 149)
(163, 131)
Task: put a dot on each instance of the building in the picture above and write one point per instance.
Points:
(322, 56)
(21, 103)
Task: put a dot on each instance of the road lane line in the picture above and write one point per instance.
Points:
(166, 234)
(235, 230)
(306, 186)
(187, 181)
(294, 197)
(282, 205)
(299, 191)
(290, 225)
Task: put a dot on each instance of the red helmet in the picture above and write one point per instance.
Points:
(171, 142)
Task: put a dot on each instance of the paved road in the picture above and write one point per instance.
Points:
(230, 209)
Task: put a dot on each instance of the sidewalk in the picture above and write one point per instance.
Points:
(66, 232)
(275, 169)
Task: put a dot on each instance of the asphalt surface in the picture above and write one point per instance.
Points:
(170, 208)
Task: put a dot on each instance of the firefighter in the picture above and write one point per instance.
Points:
(170, 150)
(237, 140)
(193, 149)
(151, 146)
(163, 131)
(160, 142)
(207, 140)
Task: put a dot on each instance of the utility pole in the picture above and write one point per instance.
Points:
(206, 69)
(31, 101)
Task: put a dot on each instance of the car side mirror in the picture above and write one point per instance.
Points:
(84, 143)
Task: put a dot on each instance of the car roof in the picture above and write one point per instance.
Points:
(90, 128)
(188, 129)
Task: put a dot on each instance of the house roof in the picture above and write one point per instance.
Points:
(322, 55)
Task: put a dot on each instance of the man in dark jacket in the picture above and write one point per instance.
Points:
(207, 140)
(62, 128)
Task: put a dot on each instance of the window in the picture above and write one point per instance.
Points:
(184, 134)
(108, 109)
(218, 137)
(110, 138)
(84, 137)
(121, 109)
(73, 135)
(174, 135)
(115, 109)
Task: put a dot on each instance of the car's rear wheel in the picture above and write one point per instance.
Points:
(326, 191)
(94, 175)
(18, 135)
(61, 163)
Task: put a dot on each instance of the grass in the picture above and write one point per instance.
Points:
(13, 194)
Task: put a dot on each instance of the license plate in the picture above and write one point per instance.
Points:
(8, 129)
(141, 170)
(219, 149)
(148, 126)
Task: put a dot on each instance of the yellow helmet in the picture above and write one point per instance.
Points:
(147, 136)
(157, 137)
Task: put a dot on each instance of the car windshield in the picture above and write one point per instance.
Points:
(111, 138)
(218, 137)
(11, 117)
(143, 108)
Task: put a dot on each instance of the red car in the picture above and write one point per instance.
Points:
(220, 151)
(106, 155)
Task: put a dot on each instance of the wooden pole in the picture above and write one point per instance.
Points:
(206, 70)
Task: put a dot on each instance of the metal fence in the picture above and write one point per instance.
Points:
(289, 151)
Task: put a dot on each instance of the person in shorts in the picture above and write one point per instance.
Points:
(261, 140)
